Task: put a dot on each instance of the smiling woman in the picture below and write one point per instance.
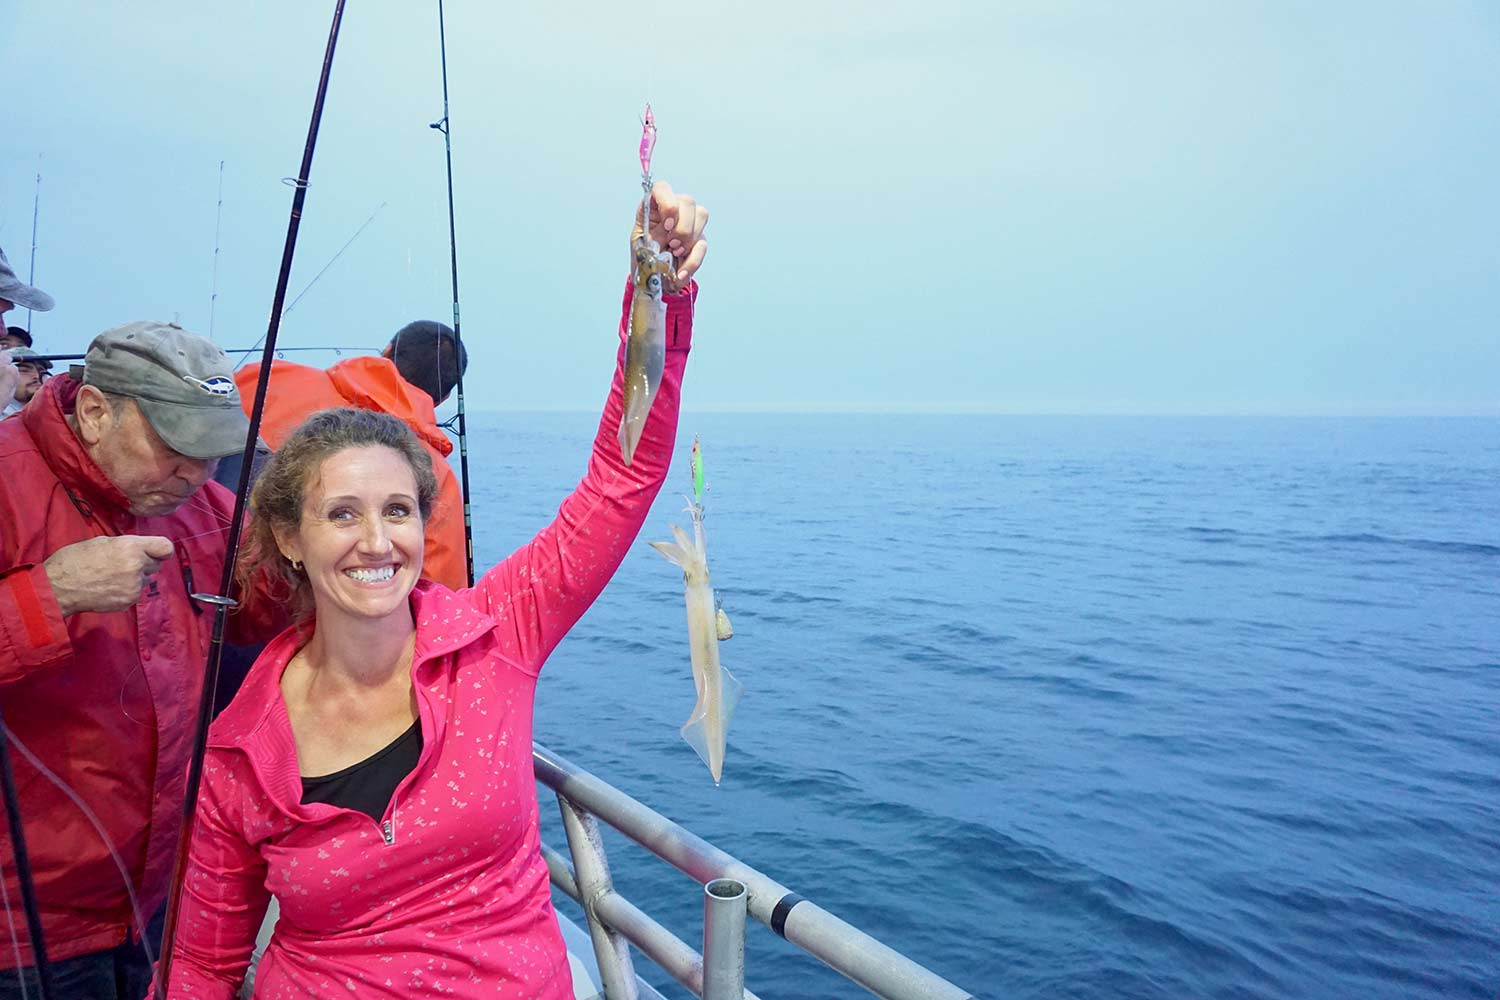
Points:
(340, 518)
(374, 772)
(341, 512)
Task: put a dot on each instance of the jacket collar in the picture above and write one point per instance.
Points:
(256, 720)
(46, 420)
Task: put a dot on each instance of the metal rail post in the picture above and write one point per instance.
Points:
(591, 871)
(671, 954)
(724, 906)
(876, 967)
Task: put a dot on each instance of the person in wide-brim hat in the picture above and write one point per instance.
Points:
(15, 292)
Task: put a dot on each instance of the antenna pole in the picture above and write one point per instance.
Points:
(213, 289)
(36, 206)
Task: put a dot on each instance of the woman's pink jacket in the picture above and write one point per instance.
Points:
(448, 895)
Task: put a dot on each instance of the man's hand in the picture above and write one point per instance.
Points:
(677, 223)
(104, 574)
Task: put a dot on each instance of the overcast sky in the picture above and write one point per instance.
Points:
(1052, 206)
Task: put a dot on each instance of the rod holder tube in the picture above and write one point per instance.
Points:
(725, 903)
(672, 955)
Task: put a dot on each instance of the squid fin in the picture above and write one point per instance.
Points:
(696, 730)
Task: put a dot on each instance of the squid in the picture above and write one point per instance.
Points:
(646, 347)
(718, 691)
(653, 273)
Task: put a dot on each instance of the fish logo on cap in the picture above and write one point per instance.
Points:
(218, 385)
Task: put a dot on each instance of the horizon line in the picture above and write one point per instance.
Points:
(963, 411)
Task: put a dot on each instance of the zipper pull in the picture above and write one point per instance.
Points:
(388, 831)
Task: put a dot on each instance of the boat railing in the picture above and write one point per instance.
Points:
(732, 890)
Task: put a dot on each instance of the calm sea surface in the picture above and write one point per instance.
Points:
(1066, 707)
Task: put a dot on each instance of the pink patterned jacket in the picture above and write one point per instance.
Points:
(448, 895)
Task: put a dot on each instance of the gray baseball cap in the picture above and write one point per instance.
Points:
(182, 382)
(17, 291)
(26, 356)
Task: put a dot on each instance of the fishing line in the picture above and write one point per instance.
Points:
(23, 870)
(334, 259)
(202, 534)
(93, 818)
(15, 942)
(336, 349)
(308, 287)
(231, 548)
(197, 503)
(139, 669)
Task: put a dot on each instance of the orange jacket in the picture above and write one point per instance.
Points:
(298, 391)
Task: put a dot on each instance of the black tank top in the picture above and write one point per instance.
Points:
(368, 785)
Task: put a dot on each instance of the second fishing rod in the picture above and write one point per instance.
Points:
(444, 125)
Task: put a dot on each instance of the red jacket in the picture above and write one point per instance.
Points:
(298, 391)
(106, 701)
(448, 894)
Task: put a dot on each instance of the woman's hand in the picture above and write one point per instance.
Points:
(677, 223)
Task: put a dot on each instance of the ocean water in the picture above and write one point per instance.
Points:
(1065, 707)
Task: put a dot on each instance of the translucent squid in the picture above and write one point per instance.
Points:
(652, 274)
(718, 691)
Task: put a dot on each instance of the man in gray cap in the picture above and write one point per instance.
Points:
(111, 524)
(15, 292)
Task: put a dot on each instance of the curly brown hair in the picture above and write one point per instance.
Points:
(276, 501)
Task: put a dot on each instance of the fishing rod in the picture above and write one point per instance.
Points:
(39, 358)
(442, 125)
(36, 206)
(221, 602)
(24, 875)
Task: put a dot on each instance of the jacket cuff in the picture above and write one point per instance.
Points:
(31, 619)
(680, 306)
(680, 318)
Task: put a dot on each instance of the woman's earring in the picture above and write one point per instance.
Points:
(296, 566)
